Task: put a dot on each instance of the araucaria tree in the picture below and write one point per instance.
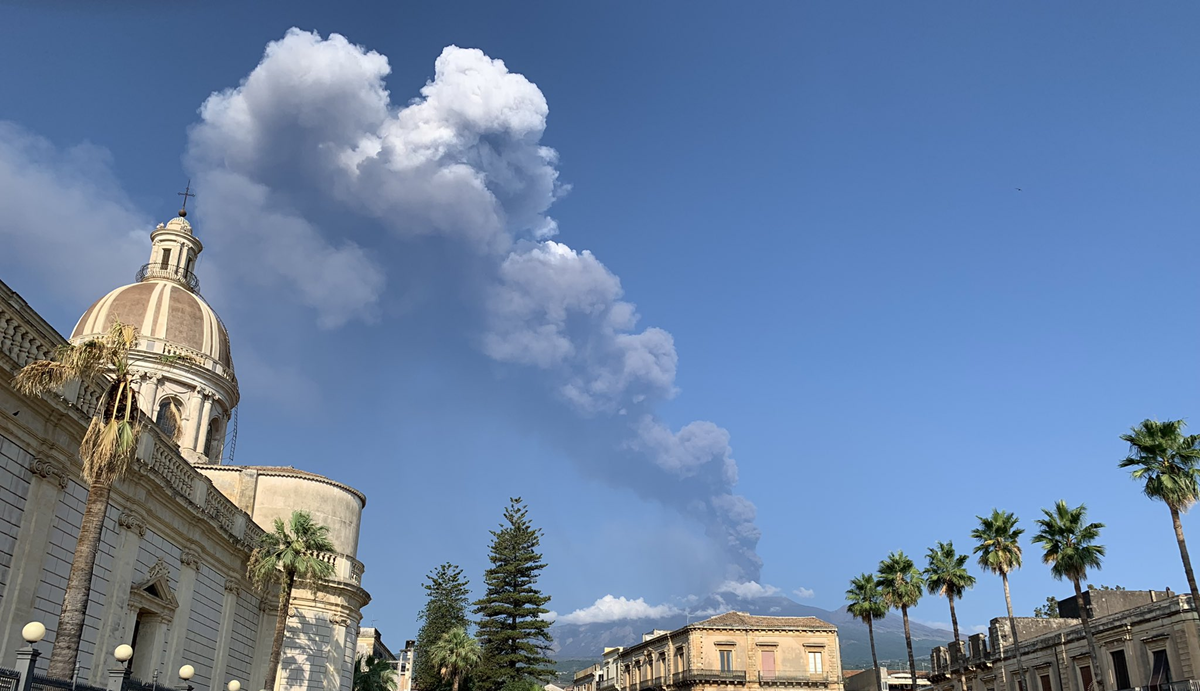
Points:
(900, 583)
(999, 550)
(1070, 550)
(946, 575)
(447, 598)
(287, 555)
(512, 631)
(455, 655)
(108, 448)
(867, 605)
(1166, 459)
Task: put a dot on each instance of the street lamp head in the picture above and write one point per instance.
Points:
(33, 632)
(186, 672)
(123, 652)
(234, 685)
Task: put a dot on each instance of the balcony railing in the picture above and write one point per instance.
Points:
(171, 273)
(607, 684)
(795, 679)
(709, 676)
(1185, 685)
(647, 684)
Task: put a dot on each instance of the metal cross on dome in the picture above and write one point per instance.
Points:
(187, 192)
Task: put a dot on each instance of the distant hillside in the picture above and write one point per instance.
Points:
(588, 641)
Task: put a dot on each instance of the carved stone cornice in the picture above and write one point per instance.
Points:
(50, 471)
(190, 557)
(339, 620)
(131, 520)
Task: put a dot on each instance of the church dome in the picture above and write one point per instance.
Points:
(164, 312)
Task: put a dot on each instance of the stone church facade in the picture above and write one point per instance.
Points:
(170, 579)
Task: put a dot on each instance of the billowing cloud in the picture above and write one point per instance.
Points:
(804, 593)
(747, 590)
(609, 609)
(62, 213)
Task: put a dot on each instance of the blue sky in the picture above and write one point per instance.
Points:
(818, 203)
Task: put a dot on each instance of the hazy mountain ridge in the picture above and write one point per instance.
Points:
(588, 641)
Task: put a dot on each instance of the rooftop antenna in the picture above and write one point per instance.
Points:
(187, 192)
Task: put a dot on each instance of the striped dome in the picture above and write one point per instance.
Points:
(162, 311)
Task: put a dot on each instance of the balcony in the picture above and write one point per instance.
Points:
(647, 684)
(607, 684)
(709, 676)
(171, 273)
(795, 679)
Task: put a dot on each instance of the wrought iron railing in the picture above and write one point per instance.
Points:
(695, 676)
(800, 679)
(170, 273)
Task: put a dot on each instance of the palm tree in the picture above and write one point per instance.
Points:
(291, 553)
(373, 674)
(1167, 461)
(1070, 550)
(455, 654)
(867, 605)
(947, 575)
(107, 449)
(900, 585)
(999, 551)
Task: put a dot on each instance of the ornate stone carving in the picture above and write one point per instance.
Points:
(133, 521)
(233, 585)
(49, 470)
(190, 557)
(158, 570)
(339, 620)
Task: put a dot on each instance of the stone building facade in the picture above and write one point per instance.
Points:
(170, 578)
(1145, 639)
(734, 649)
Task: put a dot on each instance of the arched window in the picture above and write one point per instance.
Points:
(213, 441)
(167, 417)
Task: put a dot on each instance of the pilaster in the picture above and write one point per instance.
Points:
(113, 632)
(267, 617)
(46, 486)
(189, 567)
(225, 635)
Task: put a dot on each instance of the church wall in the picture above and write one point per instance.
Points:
(14, 487)
(203, 623)
(244, 633)
(306, 651)
(347, 676)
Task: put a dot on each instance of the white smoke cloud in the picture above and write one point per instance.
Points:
(63, 214)
(747, 590)
(804, 593)
(609, 609)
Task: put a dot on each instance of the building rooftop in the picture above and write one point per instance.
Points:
(744, 620)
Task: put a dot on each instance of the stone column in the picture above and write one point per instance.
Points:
(189, 566)
(262, 644)
(113, 631)
(33, 542)
(225, 635)
(336, 661)
(202, 422)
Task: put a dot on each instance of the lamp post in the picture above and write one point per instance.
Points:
(118, 675)
(186, 673)
(27, 657)
(234, 685)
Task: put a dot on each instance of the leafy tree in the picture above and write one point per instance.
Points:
(867, 605)
(999, 550)
(1167, 462)
(947, 575)
(455, 655)
(447, 597)
(373, 674)
(1048, 610)
(108, 448)
(514, 636)
(900, 583)
(1070, 550)
(290, 553)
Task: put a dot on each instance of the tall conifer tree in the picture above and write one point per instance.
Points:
(514, 636)
(445, 610)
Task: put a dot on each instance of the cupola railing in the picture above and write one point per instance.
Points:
(171, 273)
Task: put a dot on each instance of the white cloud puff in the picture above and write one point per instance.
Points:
(747, 590)
(609, 609)
(804, 593)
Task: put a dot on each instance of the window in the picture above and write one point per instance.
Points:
(815, 662)
(165, 263)
(212, 445)
(1161, 674)
(1120, 669)
(679, 659)
(726, 660)
(768, 664)
(1085, 676)
(187, 268)
(167, 417)
(1045, 679)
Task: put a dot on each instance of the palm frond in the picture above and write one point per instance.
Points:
(42, 376)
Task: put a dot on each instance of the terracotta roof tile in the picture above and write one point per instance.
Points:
(744, 620)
